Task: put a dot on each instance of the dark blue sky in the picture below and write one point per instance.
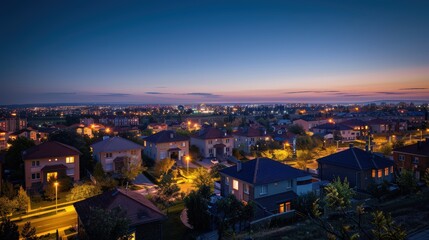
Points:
(213, 51)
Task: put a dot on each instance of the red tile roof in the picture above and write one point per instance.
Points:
(49, 150)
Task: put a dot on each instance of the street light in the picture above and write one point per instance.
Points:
(56, 197)
(187, 158)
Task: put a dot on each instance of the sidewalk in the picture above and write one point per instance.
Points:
(44, 210)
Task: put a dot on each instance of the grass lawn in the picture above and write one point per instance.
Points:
(61, 199)
(174, 226)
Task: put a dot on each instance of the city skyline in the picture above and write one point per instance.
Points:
(214, 52)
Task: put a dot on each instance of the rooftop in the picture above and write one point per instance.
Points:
(165, 137)
(49, 150)
(115, 144)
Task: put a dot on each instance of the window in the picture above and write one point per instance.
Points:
(227, 141)
(373, 173)
(284, 207)
(51, 176)
(69, 159)
(416, 160)
(386, 171)
(252, 139)
(210, 150)
(210, 141)
(380, 173)
(70, 171)
(264, 189)
(35, 176)
(183, 144)
(227, 181)
(245, 188)
(227, 149)
(35, 163)
(108, 155)
(391, 169)
(133, 152)
(401, 158)
(235, 184)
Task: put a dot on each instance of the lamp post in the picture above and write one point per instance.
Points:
(56, 197)
(187, 158)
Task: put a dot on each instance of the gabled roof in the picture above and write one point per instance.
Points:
(115, 144)
(356, 158)
(354, 123)
(138, 209)
(165, 137)
(250, 132)
(378, 121)
(331, 126)
(421, 148)
(210, 133)
(49, 150)
(263, 171)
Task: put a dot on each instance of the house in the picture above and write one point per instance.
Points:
(413, 157)
(4, 137)
(146, 220)
(157, 127)
(246, 138)
(116, 152)
(308, 124)
(347, 133)
(212, 142)
(379, 125)
(361, 168)
(49, 161)
(271, 185)
(166, 144)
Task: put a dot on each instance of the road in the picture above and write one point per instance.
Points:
(51, 223)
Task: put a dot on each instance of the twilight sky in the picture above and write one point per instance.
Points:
(213, 51)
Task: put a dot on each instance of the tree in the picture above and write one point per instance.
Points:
(214, 170)
(7, 206)
(107, 224)
(163, 166)
(22, 199)
(282, 154)
(352, 225)
(426, 177)
(236, 153)
(196, 204)
(14, 155)
(99, 173)
(168, 192)
(231, 212)
(131, 171)
(296, 129)
(304, 203)
(8, 229)
(406, 182)
(202, 178)
(28, 232)
(8, 190)
(83, 191)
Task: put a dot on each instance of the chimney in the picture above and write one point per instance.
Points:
(351, 145)
(238, 166)
(105, 137)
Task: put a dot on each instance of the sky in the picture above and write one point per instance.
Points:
(213, 51)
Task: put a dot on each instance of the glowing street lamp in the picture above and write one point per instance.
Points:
(56, 197)
(187, 158)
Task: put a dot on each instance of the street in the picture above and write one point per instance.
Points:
(51, 223)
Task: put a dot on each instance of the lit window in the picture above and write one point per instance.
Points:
(264, 189)
(183, 144)
(380, 173)
(69, 159)
(373, 173)
(386, 171)
(235, 184)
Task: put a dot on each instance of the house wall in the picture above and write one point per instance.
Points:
(107, 161)
(207, 148)
(73, 168)
(159, 151)
(244, 143)
(274, 188)
(356, 178)
(410, 164)
(299, 188)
